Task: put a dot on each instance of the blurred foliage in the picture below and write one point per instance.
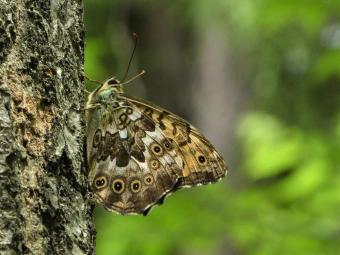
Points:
(283, 194)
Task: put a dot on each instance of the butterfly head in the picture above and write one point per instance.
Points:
(106, 92)
(111, 87)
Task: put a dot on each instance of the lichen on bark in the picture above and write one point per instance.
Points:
(43, 190)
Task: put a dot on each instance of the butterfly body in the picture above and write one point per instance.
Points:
(138, 152)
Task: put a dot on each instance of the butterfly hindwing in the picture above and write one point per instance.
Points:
(129, 169)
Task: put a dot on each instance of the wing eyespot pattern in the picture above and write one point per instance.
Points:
(156, 149)
(100, 182)
(154, 164)
(118, 186)
(202, 160)
(135, 186)
(148, 179)
(167, 145)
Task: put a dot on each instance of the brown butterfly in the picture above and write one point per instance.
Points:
(138, 152)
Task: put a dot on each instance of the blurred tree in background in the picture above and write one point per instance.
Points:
(260, 78)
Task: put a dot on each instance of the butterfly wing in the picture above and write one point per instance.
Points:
(201, 163)
(130, 169)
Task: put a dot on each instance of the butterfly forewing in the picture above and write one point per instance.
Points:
(202, 164)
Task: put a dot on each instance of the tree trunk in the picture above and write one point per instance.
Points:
(43, 189)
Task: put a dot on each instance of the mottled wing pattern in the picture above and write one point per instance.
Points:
(201, 163)
(131, 167)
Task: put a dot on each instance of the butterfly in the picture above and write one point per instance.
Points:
(138, 153)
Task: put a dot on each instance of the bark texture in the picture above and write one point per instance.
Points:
(43, 190)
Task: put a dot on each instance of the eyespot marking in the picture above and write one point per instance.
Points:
(100, 182)
(202, 160)
(157, 149)
(118, 186)
(154, 164)
(136, 186)
(167, 145)
(148, 179)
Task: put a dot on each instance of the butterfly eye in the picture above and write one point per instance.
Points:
(136, 186)
(118, 186)
(157, 149)
(202, 160)
(100, 182)
(154, 164)
(97, 138)
(148, 179)
(112, 82)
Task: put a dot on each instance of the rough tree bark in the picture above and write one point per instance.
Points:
(43, 190)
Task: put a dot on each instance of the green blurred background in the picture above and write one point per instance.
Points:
(260, 78)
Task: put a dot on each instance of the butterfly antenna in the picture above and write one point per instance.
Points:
(135, 36)
(133, 78)
(94, 81)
